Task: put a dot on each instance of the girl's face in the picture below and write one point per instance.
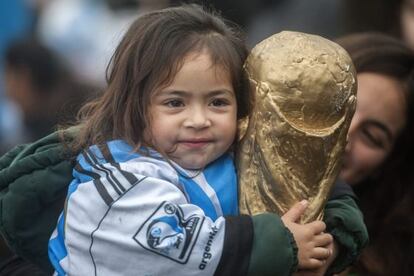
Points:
(378, 120)
(194, 118)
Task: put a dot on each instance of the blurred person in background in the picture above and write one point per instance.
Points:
(322, 17)
(371, 16)
(40, 84)
(47, 94)
(378, 160)
(407, 22)
(85, 32)
(393, 17)
(16, 21)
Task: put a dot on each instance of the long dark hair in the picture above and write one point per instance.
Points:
(149, 56)
(386, 198)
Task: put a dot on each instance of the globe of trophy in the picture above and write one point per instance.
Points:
(292, 144)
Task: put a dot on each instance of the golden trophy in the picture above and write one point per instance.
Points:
(291, 146)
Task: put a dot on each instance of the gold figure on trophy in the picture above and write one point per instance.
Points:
(292, 146)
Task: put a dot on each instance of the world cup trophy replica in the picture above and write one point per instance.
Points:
(291, 146)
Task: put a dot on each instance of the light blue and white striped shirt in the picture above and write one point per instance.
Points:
(135, 214)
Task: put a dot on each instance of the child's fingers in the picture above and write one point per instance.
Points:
(313, 263)
(294, 213)
(317, 226)
(323, 240)
(321, 253)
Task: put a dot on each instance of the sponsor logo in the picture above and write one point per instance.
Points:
(169, 233)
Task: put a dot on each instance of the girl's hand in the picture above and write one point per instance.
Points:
(322, 270)
(313, 244)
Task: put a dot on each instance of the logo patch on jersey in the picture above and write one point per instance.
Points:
(168, 233)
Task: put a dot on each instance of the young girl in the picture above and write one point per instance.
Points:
(154, 189)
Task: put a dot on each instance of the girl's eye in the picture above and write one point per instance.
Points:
(174, 103)
(219, 102)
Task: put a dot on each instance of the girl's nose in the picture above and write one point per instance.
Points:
(197, 118)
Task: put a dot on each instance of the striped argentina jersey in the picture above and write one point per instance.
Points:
(133, 214)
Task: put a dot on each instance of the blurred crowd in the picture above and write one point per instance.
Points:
(53, 56)
(46, 46)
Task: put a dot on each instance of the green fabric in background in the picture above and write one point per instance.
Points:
(33, 187)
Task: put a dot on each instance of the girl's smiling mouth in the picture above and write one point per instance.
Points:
(195, 143)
